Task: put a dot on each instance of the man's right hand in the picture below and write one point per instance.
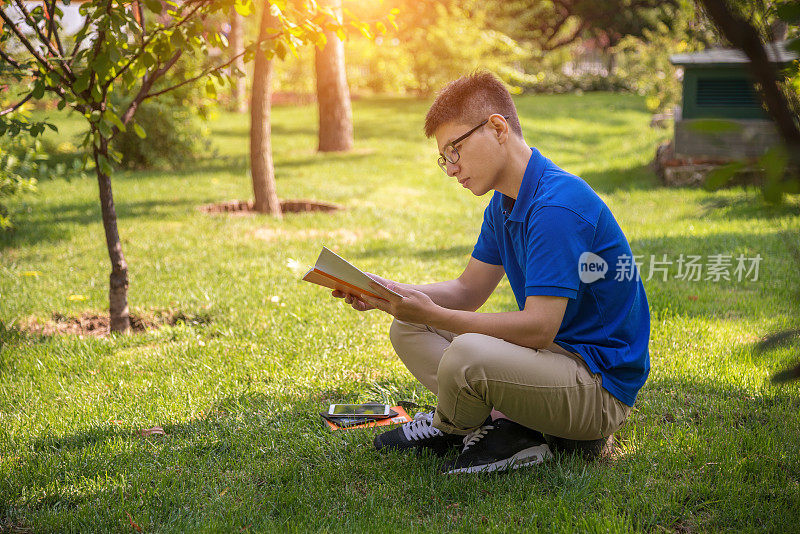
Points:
(354, 301)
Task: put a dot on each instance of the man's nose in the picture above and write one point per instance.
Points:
(452, 168)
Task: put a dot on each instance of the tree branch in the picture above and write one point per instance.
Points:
(8, 59)
(78, 42)
(210, 69)
(27, 44)
(147, 84)
(51, 30)
(17, 105)
(32, 23)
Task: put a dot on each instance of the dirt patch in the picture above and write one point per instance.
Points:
(245, 207)
(94, 324)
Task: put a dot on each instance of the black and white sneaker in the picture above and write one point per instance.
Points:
(419, 434)
(499, 446)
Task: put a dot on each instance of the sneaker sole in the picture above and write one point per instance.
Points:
(530, 456)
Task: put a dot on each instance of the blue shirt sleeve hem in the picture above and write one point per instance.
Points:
(480, 256)
(550, 291)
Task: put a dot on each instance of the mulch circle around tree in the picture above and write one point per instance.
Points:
(97, 324)
(245, 207)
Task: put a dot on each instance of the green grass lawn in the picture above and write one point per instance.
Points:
(710, 444)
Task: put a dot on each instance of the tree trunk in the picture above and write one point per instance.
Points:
(261, 169)
(333, 95)
(118, 280)
(236, 41)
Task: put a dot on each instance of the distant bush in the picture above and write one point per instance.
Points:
(176, 135)
(22, 162)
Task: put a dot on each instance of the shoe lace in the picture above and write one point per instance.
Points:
(421, 427)
(475, 436)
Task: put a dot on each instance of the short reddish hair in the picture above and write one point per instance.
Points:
(470, 100)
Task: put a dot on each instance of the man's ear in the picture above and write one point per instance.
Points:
(500, 127)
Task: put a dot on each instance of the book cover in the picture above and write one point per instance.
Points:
(334, 272)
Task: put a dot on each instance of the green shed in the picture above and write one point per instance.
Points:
(717, 84)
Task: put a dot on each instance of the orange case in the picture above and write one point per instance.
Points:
(401, 417)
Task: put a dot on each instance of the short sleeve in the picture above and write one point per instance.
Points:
(555, 238)
(486, 249)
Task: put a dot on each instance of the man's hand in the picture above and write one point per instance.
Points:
(414, 307)
(356, 301)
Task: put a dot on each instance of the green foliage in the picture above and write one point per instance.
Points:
(433, 42)
(176, 136)
(21, 161)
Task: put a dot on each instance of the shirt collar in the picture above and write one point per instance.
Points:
(527, 190)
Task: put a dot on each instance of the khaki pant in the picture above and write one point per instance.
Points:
(552, 391)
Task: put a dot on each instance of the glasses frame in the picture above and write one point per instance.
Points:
(444, 160)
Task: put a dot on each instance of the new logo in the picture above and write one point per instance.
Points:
(591, 267)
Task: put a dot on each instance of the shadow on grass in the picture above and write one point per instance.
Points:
(752, 206)
(53, 223)
(641, 178)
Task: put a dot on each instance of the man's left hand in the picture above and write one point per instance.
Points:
(414, 307)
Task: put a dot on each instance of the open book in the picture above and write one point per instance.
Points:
(333, 271)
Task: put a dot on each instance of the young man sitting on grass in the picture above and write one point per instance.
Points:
(562, 371)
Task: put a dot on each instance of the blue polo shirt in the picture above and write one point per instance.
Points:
(558, 238)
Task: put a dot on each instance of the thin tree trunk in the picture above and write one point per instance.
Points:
(261, 169)
(239, 90)
(333, 95)
(118, 280)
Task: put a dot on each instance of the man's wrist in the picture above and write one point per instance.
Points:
(442, 318)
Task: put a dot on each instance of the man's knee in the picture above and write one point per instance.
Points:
(398, 329)
(463, 355)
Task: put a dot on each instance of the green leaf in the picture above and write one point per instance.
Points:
(154, 6)
(82, 82)
(38, 91)
(381, 27)
(138, 130)
(722, 175)
(105, 129)
(61, 104)
(280, 49)
(105, 166)
(113, 119)
(52, 127)
(148, 59)
(211, 89)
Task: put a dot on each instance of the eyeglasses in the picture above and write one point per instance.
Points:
(450, 153)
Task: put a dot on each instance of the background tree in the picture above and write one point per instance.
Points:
(120, 50)
(236, 42)
(262, 171)
(333, 94)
